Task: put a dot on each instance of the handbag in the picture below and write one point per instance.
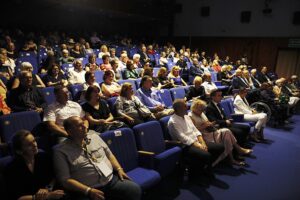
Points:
(143, 112)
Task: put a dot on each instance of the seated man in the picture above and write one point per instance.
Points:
(200, 154)
(195, 69)
(150, 98)
(60, 110)
(86, 167)
(26, 96)
(208, 85)
(76, 75)
(214, 112)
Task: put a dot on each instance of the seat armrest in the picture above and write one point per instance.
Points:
(237, 117)
(174, 143)
(146, 159)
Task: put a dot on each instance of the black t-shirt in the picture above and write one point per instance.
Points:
(19, 179)
(52, 79)
(101, 113)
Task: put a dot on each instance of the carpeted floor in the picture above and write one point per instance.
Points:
(273, 172)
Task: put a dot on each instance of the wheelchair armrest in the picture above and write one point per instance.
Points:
(146, 159)
(237, 117)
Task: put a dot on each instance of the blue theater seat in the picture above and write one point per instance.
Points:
(48, 93)
(122, 143)
(10, 124)
(149, 137)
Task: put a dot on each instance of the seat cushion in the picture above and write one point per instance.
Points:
(146, 178)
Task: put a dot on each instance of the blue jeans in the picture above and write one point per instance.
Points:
(117, 190)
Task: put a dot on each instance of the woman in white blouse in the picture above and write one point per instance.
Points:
(241, 106)
(212, 134)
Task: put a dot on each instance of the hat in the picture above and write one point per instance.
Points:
(71, 41)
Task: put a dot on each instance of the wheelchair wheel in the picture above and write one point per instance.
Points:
(262, 107)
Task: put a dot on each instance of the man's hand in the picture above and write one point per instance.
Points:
(200, 146)
(95, 194)
(122, 175)
(159, 108)
(228, 122)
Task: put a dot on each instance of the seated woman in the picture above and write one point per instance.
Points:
(163, 79)
(175, 77)
(130, 72)
(136, 61)
(109, 87)
(55, 77)
(30, 172)
(92, 65)
(281, 91)
(163, 61)
(90, 80)
(196, 90)
(224, 76)
(103, 51)
(105, 66)
(97, 112)
(212, 134)
(130, 108)
(241, 106)
(51, 58)
(77, 52)
(36, 80)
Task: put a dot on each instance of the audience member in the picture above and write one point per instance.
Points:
(196, 90)
(175, 77)
(76, 75)
(55, 76)
(85, 166)
(130, 72)
(109, 87)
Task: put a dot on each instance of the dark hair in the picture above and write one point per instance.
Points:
(113, 62)
(177, 104)
(91, 56)
(58, 88)
(144, 79)
(214, 92)
(129, 64)
(87, 75)
(49, 71)
(107, 74)
(18, 139)
(68, 123)
(105, 56)
(148, 71)
(89, 91)
(242, 90)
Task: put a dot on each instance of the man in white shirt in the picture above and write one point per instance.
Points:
(76, 75)
(208, 85)
(200, 154)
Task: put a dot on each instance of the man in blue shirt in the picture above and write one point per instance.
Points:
(152, 99)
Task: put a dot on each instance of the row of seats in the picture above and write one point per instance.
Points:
(142, 151)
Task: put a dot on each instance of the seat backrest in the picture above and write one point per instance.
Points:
(76, 90)
(99, 76)
(164, 125)
(149, 137)
(10, 124)
(155, 71)
(227, 105)
(111, 103)
(177, 93)
(131, 81)
(66, 67)
(122, 144)
(214, 76)
(165, 96)
(32, 59)
(48, 93)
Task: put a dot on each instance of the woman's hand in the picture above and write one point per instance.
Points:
(42, 194)
(56, 194)
(122, 175)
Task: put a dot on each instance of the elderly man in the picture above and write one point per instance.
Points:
(208, 85)
(200, 154)
(152, 99)
(86, 167)
(76, 75)
(26, 96)
(195, 69)
(238, 81)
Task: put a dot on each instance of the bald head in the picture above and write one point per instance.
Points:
(75, 127)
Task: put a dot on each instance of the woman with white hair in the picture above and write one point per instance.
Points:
(281, 90)
(136, 61)
(212, 134)
(36, 80)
